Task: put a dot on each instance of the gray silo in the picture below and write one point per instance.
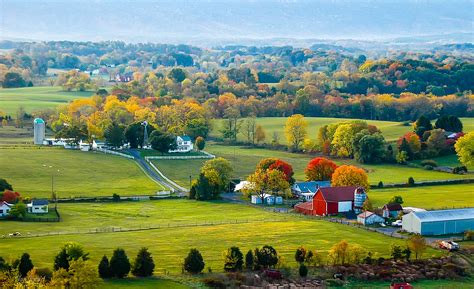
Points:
(39, 131)
(359, 198)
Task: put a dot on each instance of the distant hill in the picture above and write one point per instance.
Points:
(218, 21)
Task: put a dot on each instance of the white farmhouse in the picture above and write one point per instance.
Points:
(38, 207)
(5, 209)
(184, 144)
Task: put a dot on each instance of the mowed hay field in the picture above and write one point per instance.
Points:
(169, 245)
(390, 129)
(36, 98)
(429, 197)
(80, 173)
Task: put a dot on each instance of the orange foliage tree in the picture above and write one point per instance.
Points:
(320, 169)
(350, 176)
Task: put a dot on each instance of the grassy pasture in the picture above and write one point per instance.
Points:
(80, 173)
(429, 197)
(35, 98)
(390, 129)
(446, 161)
(170, 245)
(138, 283)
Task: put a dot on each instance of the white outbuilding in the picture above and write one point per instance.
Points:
(440, 222)
(369, 218)
(268, 199)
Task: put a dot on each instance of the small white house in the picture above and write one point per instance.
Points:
(269, 199)
(38, 207)
(184, 144)
(5, 209)
(369, 218)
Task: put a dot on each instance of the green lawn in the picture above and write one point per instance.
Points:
(80, 173)
(35, 98)
(391, 130)
(138, 283)
(446, 161)
(170, 245)
(10, 135)
(429, 197)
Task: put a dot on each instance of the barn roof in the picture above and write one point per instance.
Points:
(305, 206)
(445, 215)
(338, 194)
(393, 207)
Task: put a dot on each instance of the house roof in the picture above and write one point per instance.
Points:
(365, 214)
(312, 186)
(38, 120)
(393, 207)
(40, 202)
(2, 203)
(338, 194)
(185, 138)
(445, 215)
(305, 206)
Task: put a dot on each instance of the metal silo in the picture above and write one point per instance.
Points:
(359, 198)
(39, 131)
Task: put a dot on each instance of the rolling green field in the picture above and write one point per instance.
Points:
(170, 245)
(446, 161)
(138, 283)
(391, 130)
(35, 98)
(80, 173)
(244, 160)
(429, 197)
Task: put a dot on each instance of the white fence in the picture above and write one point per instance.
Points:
(165, 178)
(110, 152)
(205, 156)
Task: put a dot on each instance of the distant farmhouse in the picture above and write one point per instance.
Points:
(124, 77)
(5, 208)
(184, 144)
(38, 207)
(333, 201)
(391, 210)
(307, 190)
(369, 218)
(441, 222)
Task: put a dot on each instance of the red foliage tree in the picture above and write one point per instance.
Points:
(10, 196)
(285, 168)
(320, 169)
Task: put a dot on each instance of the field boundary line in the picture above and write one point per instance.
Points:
(206, 156)
(163, 176)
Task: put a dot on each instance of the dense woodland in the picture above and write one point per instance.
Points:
(257, 81)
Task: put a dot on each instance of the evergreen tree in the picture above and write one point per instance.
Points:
(421, 125)
(143, 265)
(104, 268)
(119, 264)
(234, 260)
(61, 260)
(405, 147)
(249, 258)
(194, 262)
(25, 265)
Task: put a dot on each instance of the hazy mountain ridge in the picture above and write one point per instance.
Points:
(225, 22)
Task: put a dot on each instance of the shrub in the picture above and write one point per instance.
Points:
(469, 235)
(303, 270)
(428, 167)
(194, 262)
(300, 255)
(380, 185)
(411, 181)
(334, 282)
(143, 265)
(214, 282)
(119, 264)
(104, 268)
(44, 273)
(266, 257)
(249, 260)
(460, 170)
(115, 197)
(429, 163)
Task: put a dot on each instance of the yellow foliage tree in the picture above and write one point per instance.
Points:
(347, 175)
(295, 130)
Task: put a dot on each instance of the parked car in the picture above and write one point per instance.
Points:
(272, 273)
(403, 285)
(397, 223)
(449, 245)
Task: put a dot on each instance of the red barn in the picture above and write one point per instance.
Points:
(330, 201)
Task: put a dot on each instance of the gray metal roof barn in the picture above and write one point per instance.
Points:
(440, 222)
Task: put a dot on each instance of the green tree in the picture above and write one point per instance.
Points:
(81, 274)
(162, 142)
(396, 252)
(233, 260)
(266, 257)
(4, 185)
(197, 127)
(25, 265)
(421, 125)
(449, 123)
(119, 263)
(61, 261)
(71, 251)
(12, 80)
(104, 268)
(300, 255)
(177, 74)
(303, 270)
(200, 143)
(370, 148)
(114, 135)
(465, 149)
(396, 200)
(218, 172)
(18, 210)
(194, 263)
(143, 265)
(249, 260)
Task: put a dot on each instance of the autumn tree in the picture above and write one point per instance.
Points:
(263, 182)
(200, 143)
(81, 274)
(417, 244)
(233, 260)
(367, 205)
(320, 169)
(250, 130)
(465, 149)
(260, 134)
(347, 175)
(296, 131)
(218, 172)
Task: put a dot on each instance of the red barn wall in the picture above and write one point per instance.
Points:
(319, 205)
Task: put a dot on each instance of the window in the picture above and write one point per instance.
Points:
(1, 211)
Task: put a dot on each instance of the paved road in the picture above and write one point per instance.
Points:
(150, 171)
